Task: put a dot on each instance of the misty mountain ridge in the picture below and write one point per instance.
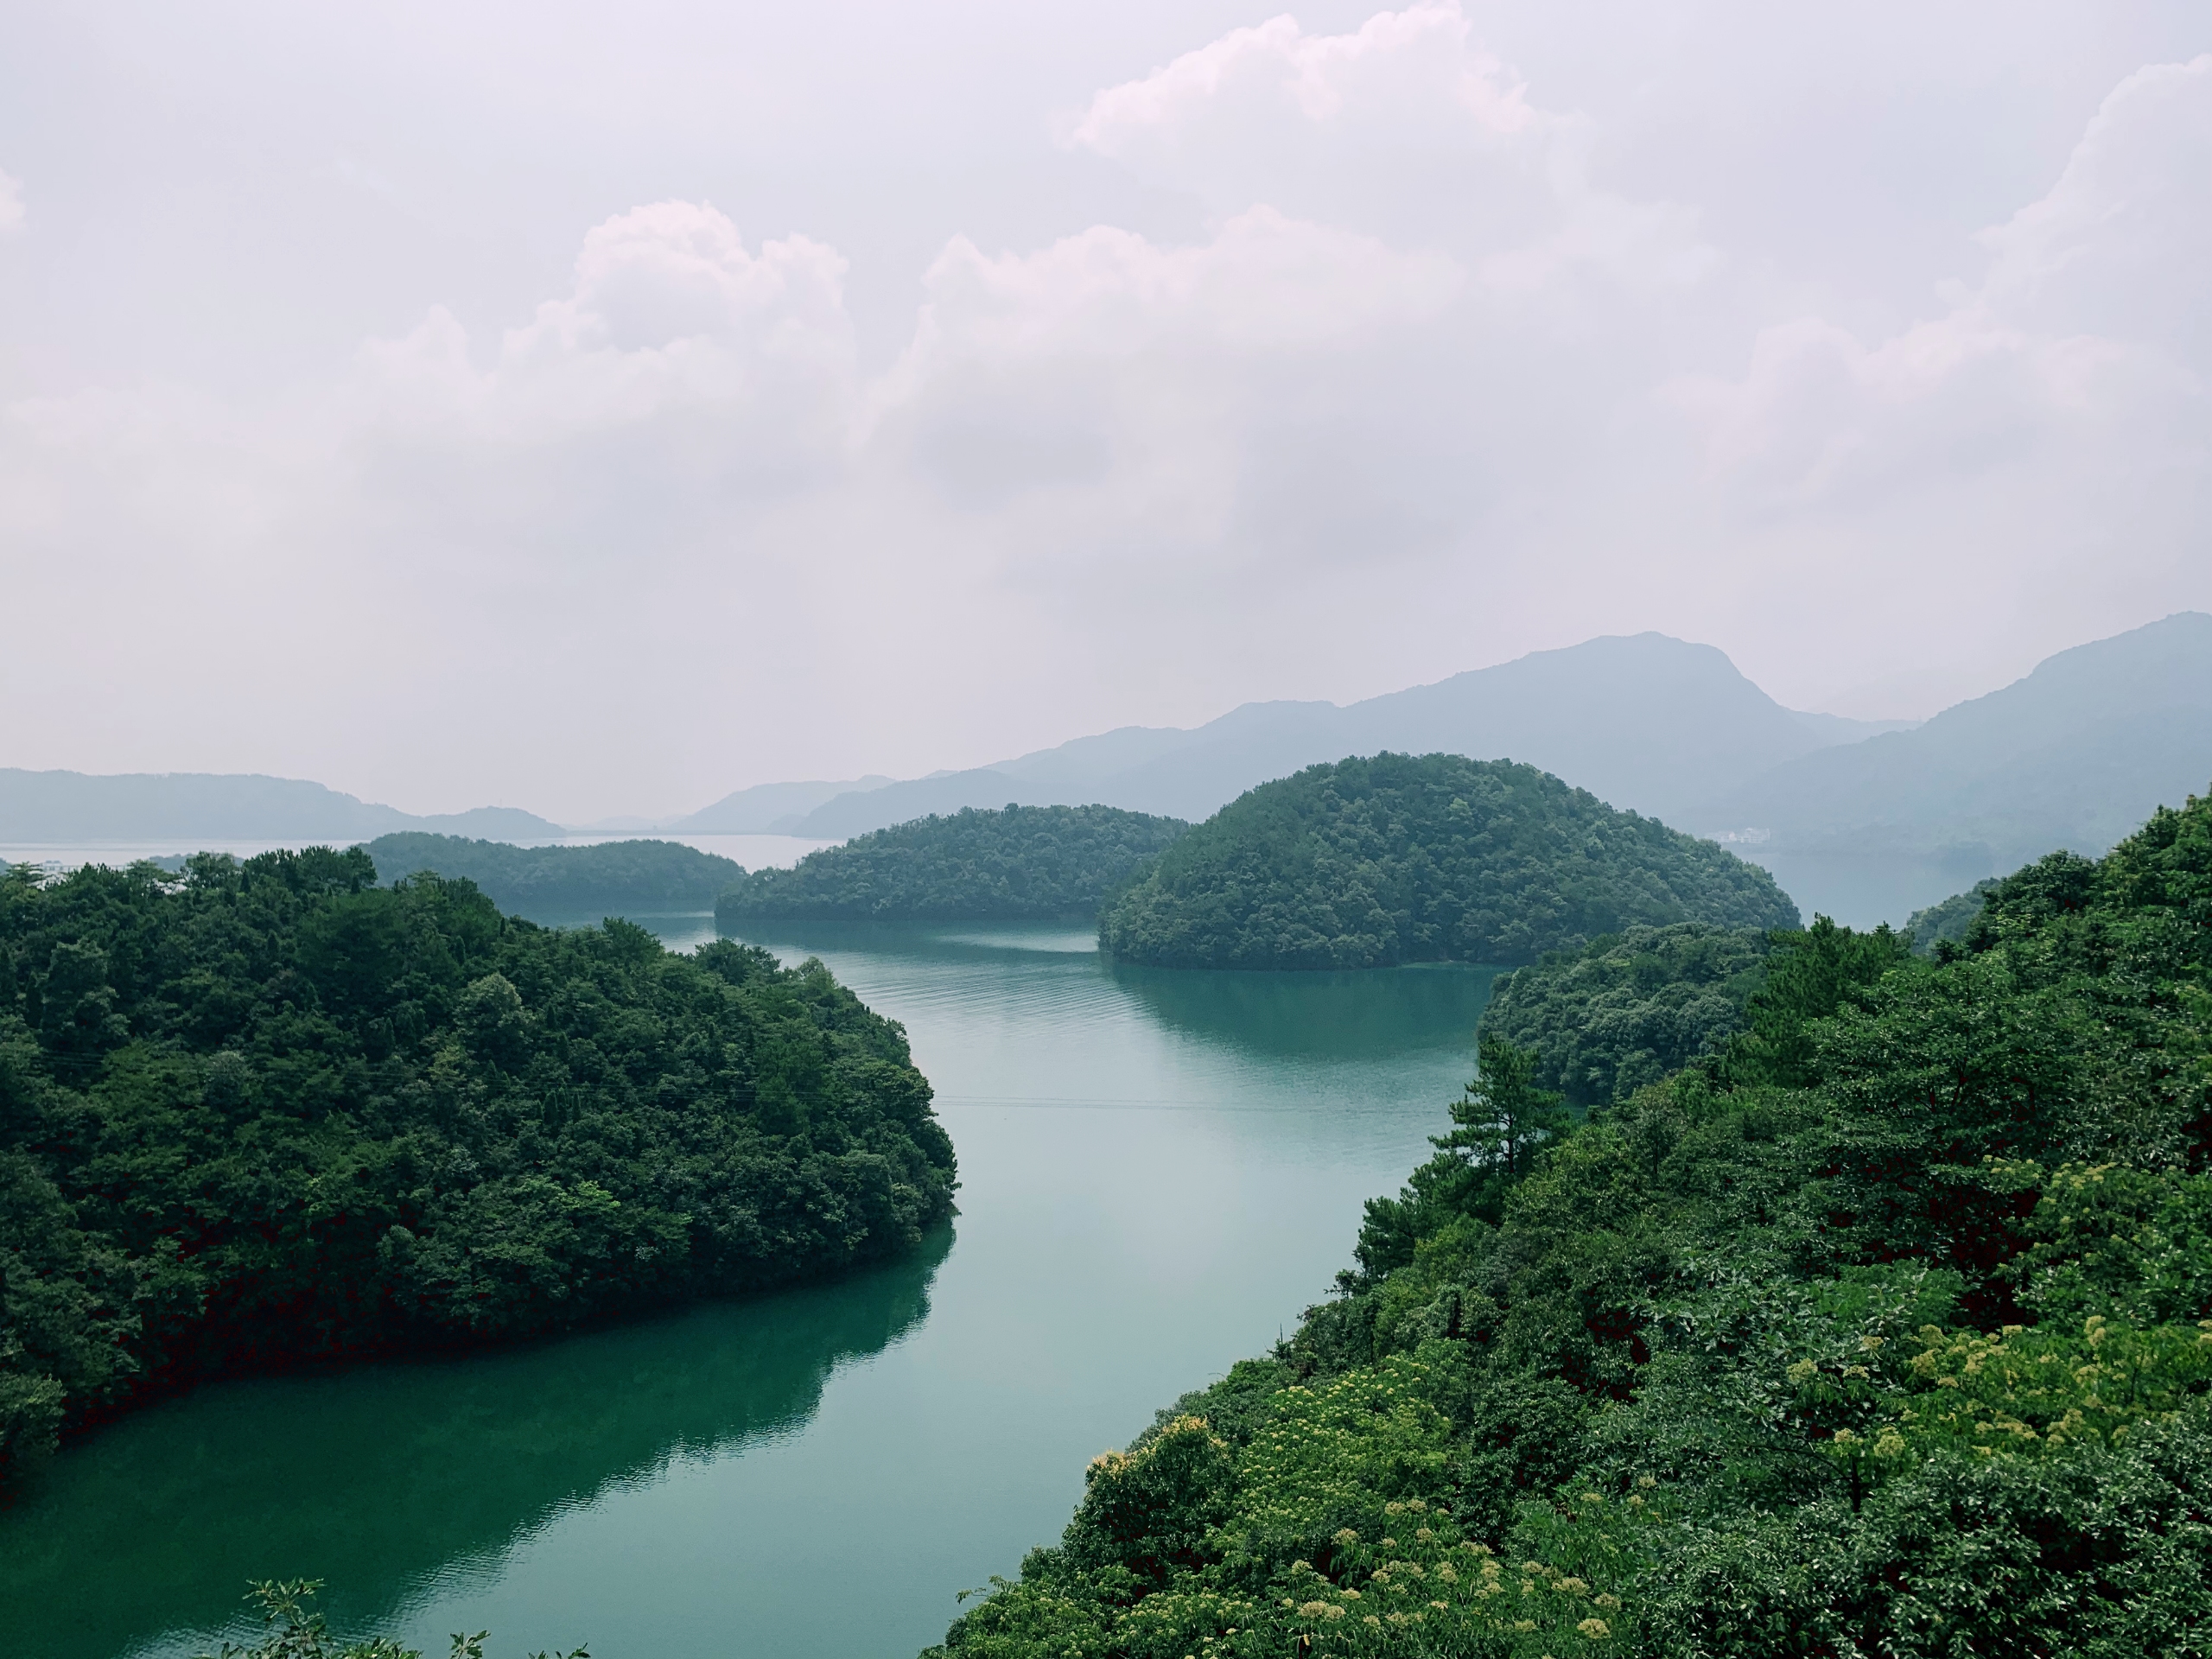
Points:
(45, 808)
(2075, 754)
(1644, 722)
(766, 809)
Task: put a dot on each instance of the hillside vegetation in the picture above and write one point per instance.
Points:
(1628, 1008)
(1398, 858)
(1020, 863)
(270, 1111)
(619, 874)
(1887, 1329)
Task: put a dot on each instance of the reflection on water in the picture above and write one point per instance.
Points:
(382, 1478)
(1158, 1171)
(1339, 1016)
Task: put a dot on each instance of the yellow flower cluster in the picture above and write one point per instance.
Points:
(1422, 1589)
(2027, 1391)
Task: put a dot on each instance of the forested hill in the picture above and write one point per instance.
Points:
(1399, 858)
(1886, 1329)
(1023, 863)
(272, 1110)
(633, 875)
(1630, 1007)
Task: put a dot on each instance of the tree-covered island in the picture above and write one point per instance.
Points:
(1396, 858)
(1882, 1328)
(270, 1111)
(619, 875)
(1021, 864)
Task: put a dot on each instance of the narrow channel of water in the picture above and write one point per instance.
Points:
(1159, 1170)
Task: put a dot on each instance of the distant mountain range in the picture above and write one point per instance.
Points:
(195, 808)
(1865, 820)
(768, 809)
(1643, 722)
(2076, 755)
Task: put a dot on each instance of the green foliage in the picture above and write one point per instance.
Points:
(2134, 1245)
(1946, 923)
(293, 1632)
(1034, 863)
(1886, 1329)
(619, 874)
(1502, 1120)
(1397, 858)
(1628, 1008)
(271, 1111)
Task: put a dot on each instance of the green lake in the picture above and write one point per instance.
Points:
(1158, 1171)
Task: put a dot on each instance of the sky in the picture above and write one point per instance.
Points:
(597, 410)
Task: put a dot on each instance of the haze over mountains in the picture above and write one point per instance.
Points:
(53, 808)
(1644, 721)
(2075, 754)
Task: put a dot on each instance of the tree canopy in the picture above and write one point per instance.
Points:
(619, 874)
(1039, 863)
(1948, 920)
(269, 1111)
(1628, 1009)
(1884, 1327)
(1399, 858)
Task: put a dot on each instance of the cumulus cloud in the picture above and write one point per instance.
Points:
(1412, 76)
(2120, 246)
(670, 314)
(1407, 380)
(1129, 370)
(2084, 348)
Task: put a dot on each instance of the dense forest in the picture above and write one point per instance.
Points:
(1399, 858)
(1948, 921)
(1628, 1008)
(619, 874)
(1038, 863)
(1886, 1329)
(270, 1111)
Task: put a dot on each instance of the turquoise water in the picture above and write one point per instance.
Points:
(1158, 1171)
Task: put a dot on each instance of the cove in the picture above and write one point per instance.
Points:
(1159, 1169)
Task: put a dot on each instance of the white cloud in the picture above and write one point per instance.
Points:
(1362, 367)
(1399, 71)
(669, 312)
(2084, 350)
(12, 203)
(2122, 247)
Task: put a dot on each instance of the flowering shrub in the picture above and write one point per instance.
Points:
(2025, 1391)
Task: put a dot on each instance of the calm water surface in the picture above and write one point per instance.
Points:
(1159, 1172)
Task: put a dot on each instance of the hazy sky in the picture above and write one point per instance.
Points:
(597, 408)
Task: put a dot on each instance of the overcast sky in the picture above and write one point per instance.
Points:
(598, 409)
